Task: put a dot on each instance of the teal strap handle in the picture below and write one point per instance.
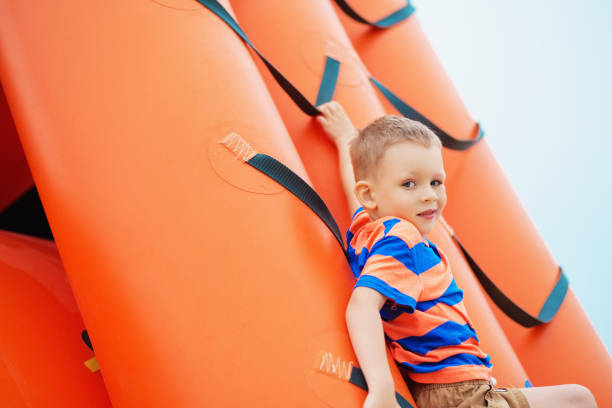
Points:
(328, 81)
(555, 299)
(385, 22)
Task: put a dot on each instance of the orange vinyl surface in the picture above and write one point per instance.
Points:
(41, 351)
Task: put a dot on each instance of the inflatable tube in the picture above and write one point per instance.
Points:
(41, 352)
(201, 281)
(484, 210)
(297, 36)
(16, 178)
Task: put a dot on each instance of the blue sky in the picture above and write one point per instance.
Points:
(538, 76)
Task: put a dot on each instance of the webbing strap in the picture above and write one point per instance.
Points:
(297, 97)
(385, 22)
(402, 107)
(292, 182)
(511, 309)
(358, 379)
(298, 187)
(328, 81)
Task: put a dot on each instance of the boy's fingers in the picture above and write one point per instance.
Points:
(327, 106)
(324, 106)
(321, 119)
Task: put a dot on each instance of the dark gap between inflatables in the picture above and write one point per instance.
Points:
(26, 216)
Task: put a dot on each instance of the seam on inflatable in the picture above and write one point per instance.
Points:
(237, 145)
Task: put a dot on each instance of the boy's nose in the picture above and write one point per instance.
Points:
(428, 194)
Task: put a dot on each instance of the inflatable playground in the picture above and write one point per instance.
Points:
(198, 215)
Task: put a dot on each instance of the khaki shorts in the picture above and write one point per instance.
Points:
(467, 394)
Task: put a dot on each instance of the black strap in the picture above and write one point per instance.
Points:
(511, 309)
(297, 97)
(402, 107)
(296, 185)
(385, 22)
(358, 379)
(86, 340)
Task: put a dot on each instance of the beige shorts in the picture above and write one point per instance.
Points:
(467, 394)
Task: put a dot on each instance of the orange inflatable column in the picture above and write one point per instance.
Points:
(41, 351)
(202, 281)
(16, 178)
(296, 37)
(483, 208)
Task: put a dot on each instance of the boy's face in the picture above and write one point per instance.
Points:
(409, 184)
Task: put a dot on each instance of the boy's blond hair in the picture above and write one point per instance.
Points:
(372, 141)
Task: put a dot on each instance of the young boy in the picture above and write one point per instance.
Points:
(393, 177)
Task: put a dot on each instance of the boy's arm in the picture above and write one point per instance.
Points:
(341, 131)
(366, 332)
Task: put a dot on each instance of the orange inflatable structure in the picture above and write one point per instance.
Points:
(202, 281)
(41, 352)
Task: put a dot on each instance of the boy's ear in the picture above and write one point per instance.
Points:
(363, 192)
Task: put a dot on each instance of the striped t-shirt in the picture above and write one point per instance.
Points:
(424, 318)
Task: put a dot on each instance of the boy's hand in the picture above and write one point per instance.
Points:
(340, 130)
(336, 123)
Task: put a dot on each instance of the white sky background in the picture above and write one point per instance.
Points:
(538, 76)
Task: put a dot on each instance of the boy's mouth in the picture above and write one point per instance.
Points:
(428, 214)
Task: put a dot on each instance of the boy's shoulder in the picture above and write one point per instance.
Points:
(385, 228)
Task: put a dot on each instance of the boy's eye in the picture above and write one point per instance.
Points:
(409, 184)
(436, 183)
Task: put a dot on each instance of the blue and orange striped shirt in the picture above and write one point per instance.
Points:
(424, 319)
